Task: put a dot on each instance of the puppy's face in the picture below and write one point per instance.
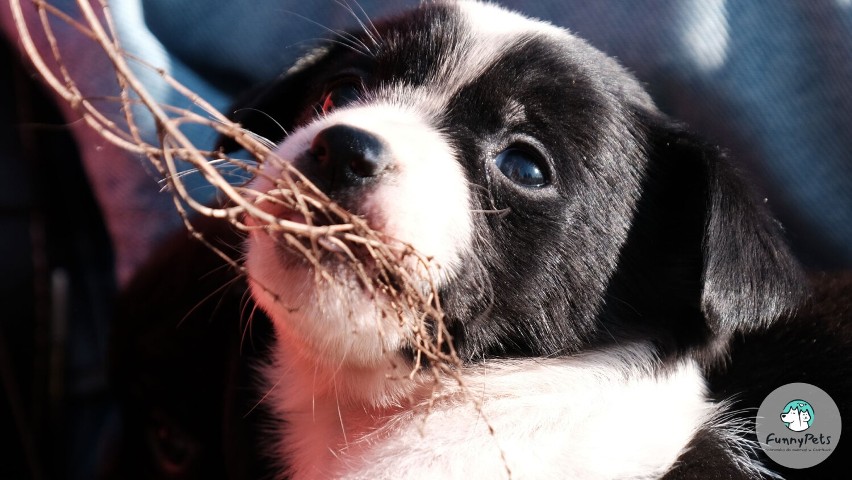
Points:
(511, 154)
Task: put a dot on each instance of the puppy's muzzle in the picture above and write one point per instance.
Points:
(344, 156)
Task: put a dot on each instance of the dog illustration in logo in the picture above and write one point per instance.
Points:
(798, 415)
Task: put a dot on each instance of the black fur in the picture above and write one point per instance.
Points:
(645, 232)
(621, 171)
(181, 364)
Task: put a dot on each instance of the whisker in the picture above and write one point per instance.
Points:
(247, 330)
(270, 117)
(485, 194)
(500, 212)
(346, 39)
(340, 414)
(263, 398)
(219, 164)
(345, 5)
(349, 46)
(367, 17)
(204, 300)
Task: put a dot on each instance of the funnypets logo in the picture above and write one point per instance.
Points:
(798, 415)
(795, 437)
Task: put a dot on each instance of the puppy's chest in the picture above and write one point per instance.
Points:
(583, 418)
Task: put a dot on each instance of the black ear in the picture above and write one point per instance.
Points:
(748, 277)
(271, 110)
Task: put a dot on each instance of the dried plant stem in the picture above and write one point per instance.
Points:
(340, 233)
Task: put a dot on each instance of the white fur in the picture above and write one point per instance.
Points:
(351, 410)
(594, 416)
(491, 20)
(425, 204)
(420, 202)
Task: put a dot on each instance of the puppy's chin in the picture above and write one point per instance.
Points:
(333, 322)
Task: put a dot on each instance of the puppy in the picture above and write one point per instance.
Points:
(619, 301)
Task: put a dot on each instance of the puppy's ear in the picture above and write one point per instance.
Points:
(271, 110)
(747, 276)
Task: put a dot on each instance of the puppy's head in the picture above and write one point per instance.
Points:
(560, 208)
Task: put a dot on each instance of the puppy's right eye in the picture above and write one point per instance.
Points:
(522, 167)
(340, 94)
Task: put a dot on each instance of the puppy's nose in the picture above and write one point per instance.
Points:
(349, 156)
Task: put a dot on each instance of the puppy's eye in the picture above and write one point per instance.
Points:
(523, 167)
(340, 94)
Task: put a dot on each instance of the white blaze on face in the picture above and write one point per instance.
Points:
(489, 20)
(421, 200)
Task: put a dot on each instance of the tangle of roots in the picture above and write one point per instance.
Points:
(338, 232)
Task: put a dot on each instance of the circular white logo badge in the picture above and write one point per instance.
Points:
(798, 425)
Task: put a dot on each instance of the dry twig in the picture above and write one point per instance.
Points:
(342, 236)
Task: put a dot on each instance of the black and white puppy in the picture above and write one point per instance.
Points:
(620, 302)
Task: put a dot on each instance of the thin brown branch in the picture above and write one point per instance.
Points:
(386, 268)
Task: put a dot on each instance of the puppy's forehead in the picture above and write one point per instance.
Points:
(445, 47)
(484, 34)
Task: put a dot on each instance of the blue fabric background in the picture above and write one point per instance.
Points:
(770, 81)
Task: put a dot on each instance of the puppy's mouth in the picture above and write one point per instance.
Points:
(321, 236)
(309, 217)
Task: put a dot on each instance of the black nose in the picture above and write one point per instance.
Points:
(348, 156)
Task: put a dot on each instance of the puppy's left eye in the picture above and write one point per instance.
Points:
(340, 94)
(522, 167)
